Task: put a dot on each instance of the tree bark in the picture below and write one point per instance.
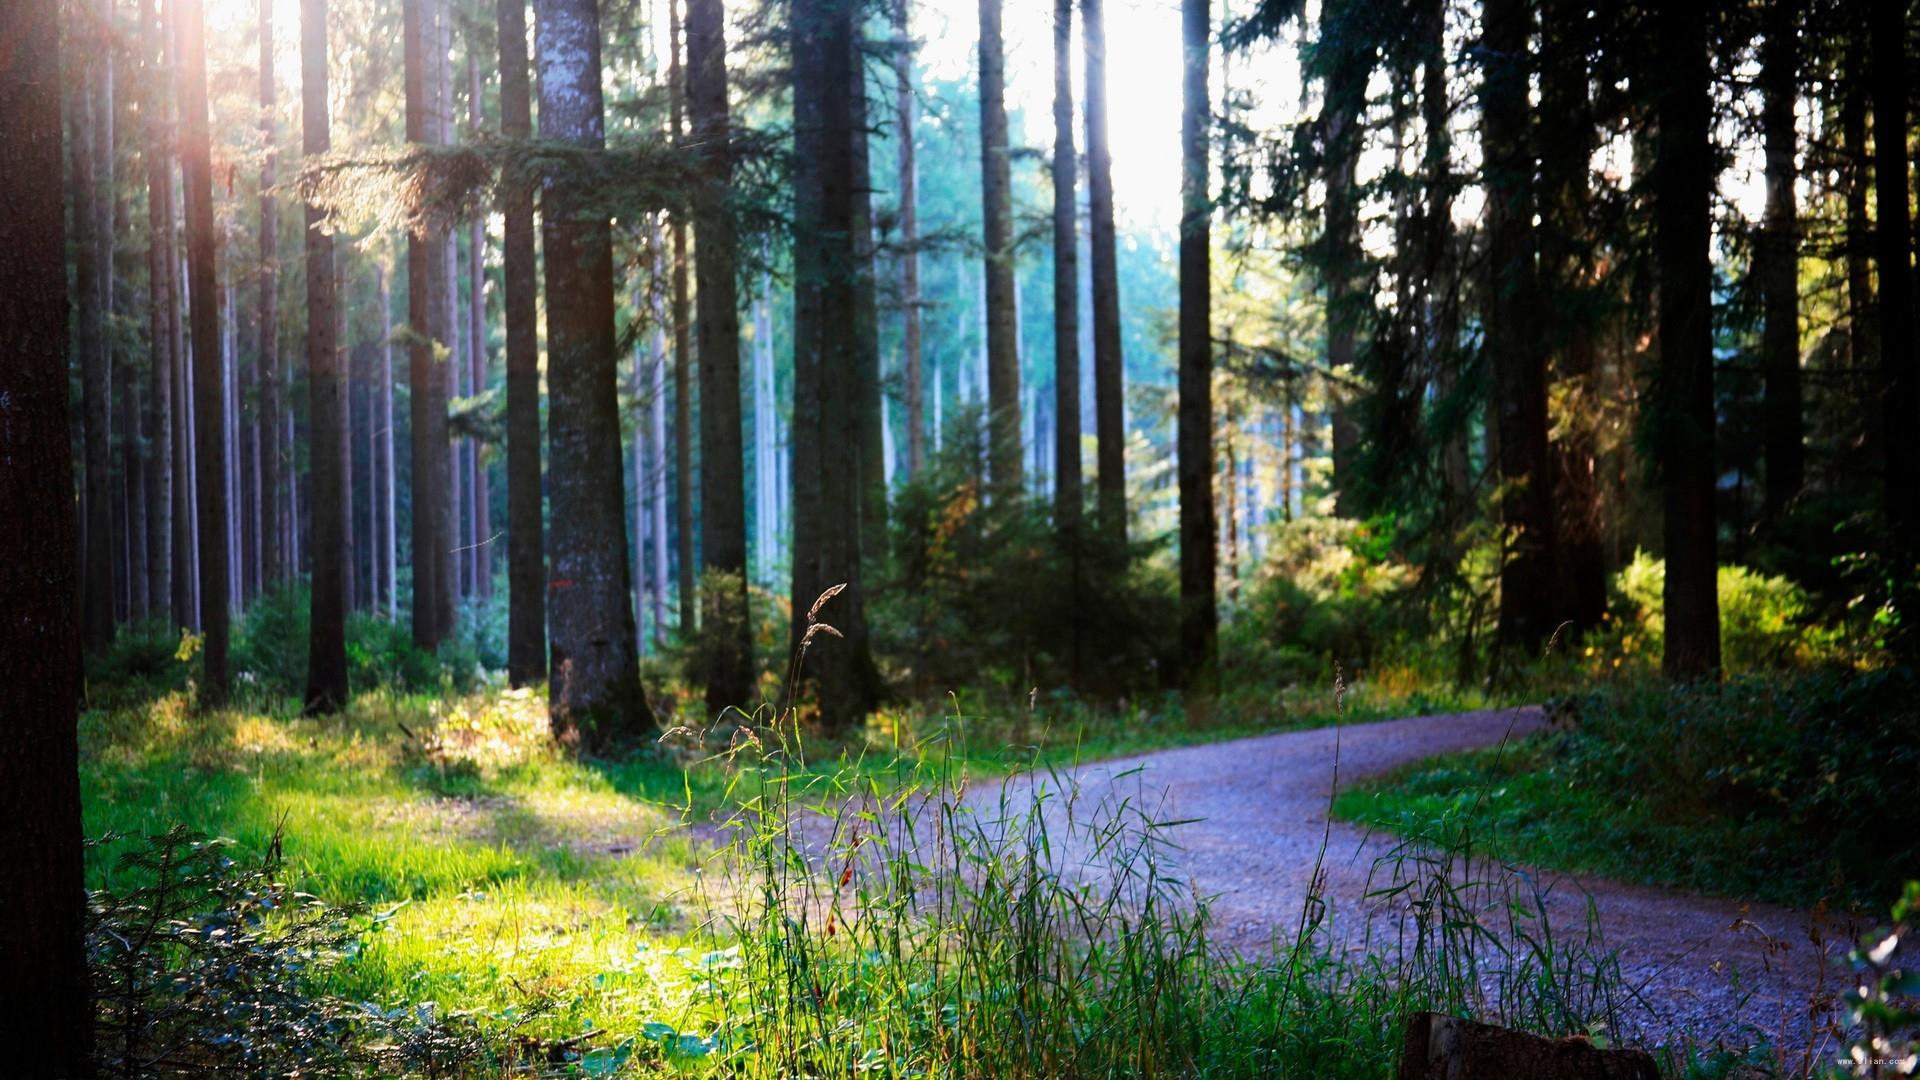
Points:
(909, 214)
(161, 358)
(1199, 616)
(1346, 99)
(385, 481)
(210, 429)
(481, 506)
(1778, 261)
(326, 398)
(1682, 412)
(869, 425)
(1066, 284)
(426, 373)
(682, 356)
(723, 544)
(526, 534)
(47, 1024)
(826, 541)
(595, 691)
(1513, 339)
(1900, 383)
(90, 267)
(1108, 362)
(996, 197)
(268, 359)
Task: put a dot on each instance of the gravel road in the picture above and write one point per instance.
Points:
(1254, 818)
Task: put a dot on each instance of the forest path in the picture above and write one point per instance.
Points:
(1253, 817)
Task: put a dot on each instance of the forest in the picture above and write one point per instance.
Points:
(959, 538)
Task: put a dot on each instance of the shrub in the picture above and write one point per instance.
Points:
(1766, 623)
(1329, 591)
(269, 656)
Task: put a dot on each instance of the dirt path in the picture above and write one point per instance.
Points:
(1703, 966)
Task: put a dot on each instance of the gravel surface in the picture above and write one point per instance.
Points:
(1253, 816)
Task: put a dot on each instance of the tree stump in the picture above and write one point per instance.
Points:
(1440, 1047)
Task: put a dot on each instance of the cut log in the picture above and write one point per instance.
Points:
(1440, 1047)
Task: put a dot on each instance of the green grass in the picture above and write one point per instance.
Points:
(1521, 805)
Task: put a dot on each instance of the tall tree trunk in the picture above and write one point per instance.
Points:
(996, 198)
(826, 498)
(384, 485)
(1442, 270)
(1108, 364)
(161, 359)
(1778, 260)
(326, 398)
(1346, 99)
(682, 354)
(203, 295)
(1199, 617)
(1066, 283)
(909, 215)
(1900, 382)
(482, 502)
(723, 518)
(268, 359)
(595, 693)
(869, 427)
(1682, 411)
(1565, 242)
(429, 322)
(1513, 340)
(657, 450)
(47, 1023)
(526, 536)
(90, 259)
(1854, 177)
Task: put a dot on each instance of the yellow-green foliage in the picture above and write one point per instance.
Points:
(1766, 623)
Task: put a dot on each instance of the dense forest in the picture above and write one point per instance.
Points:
(605, 462)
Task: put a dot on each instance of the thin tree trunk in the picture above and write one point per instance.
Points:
(826, 496)
(161, 359)
(426, 376)
(526, 538)
(723, 512)
(1513, 339)
(1900, 383)
(389, 526)
(47, 1024)
(595, 694)
(1108, 363)
(765, 416)
(1066, 284)
(682, 356)
(481, 505)
(657, 455)
(1859, 230)
(909, 213)
(1683, 177)
(1778, 259)
(1199, 617)
(326, 399)
(209, 436)
(996, 197)
(268, 359)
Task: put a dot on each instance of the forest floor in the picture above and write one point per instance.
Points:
(1251, 830)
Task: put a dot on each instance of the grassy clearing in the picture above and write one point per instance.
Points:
(1789, 790)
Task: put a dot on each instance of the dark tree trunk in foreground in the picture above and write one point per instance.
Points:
(909, 211)
(1109, 407)
(526, 533)
(91, 263)
(826, 498)
(1778, 261)
(1199, 616)
(160, 319)
(1900, 385)
(1346, 99)
(868, 425)
(1682, 411)
(209, 413)
(267, 363)
(723, 498)
(595, 690)
(326, 398)
(1513, 340)
(47, 1023)
(1066, 284)
(1854, 181)
(682, 355)
(996, 197)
